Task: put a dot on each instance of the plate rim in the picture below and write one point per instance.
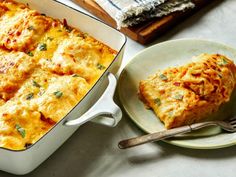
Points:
(173, 142)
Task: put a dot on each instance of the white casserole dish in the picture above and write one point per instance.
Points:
(97, 102)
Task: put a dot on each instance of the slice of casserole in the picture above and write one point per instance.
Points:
(15, 68)
(21, 126)
(189, 93)
(21, 26)
(87, 58)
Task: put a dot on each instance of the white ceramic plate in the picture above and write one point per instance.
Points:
(160, 56)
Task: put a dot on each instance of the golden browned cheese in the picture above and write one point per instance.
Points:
(188, 94)
(46, 68)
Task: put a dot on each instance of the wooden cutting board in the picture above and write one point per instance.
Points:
(148, 31)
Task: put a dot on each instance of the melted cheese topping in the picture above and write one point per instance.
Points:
(46, 68)
(14, 68)
(188, 94)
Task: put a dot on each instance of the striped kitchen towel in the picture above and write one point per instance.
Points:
(131, 12)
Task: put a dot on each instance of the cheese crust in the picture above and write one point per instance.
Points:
(46, 68)
(190, 93)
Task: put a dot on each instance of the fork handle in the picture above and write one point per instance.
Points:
(162, 135)
(153, 137)
(200, 125)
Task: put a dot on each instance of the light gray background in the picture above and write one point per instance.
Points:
(92, 151)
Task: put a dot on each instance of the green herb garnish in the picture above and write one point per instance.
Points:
(223, 62)
(50, 38)
(163, 77)
(30, 54)
(59, 30)
(42, 47)
(178, 97)
(36, 84)
(29, 96)
(20, 130)
(75, 75)
(100, 66)
(157, 101)
(31, 28)
(170, 113)
(58, 94)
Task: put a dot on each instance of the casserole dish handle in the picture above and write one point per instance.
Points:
(109, 113)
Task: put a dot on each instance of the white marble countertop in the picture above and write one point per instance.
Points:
(92, 151)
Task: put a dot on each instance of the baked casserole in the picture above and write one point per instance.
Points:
(190, 93)
(46, 68)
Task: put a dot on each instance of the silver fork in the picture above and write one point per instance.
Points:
(229, 125)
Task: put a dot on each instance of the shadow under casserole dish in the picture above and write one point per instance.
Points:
(46, 67)
(190, 93)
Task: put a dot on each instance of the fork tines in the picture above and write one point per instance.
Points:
(232, 121)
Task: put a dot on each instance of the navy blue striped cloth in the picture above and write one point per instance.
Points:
(132, 12)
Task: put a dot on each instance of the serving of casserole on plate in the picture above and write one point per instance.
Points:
(190, 93)
(180, 91)
(48, 68)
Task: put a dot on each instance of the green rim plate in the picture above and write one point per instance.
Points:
(160, 56)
